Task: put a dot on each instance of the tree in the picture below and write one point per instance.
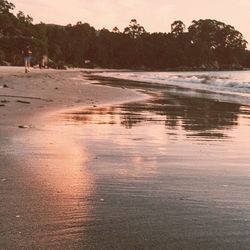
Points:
(24, 19)
(116, 30)
(7, 19)
(6, 6)
(216, 40)
(177, 28)
(134, 29)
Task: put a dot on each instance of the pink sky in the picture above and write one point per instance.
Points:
(154, 15)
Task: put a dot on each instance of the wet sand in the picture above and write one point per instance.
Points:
(121, 171)
(37, 173)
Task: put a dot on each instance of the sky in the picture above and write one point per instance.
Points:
(154, 15)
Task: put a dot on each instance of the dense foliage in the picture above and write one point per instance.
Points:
(205, 44)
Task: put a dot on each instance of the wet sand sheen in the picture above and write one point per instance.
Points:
(168, 178)
(171, 172)
(53, 190)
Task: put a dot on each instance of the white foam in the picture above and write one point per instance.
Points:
(236, 83)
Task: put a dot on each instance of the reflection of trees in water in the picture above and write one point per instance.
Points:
(199, 115)
(112, 115)
(105, 115)
(130, 120)
(202, 114)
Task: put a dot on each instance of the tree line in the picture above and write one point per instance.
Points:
(205, 44)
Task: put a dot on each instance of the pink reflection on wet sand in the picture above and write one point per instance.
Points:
(59, 184)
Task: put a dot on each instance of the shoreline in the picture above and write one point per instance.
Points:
(52, 91)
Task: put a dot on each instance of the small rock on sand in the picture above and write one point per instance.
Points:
(24, 126)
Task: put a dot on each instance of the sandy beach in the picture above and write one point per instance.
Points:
(97, 163)
(27, 103)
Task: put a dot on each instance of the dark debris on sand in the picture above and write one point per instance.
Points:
(24, 102)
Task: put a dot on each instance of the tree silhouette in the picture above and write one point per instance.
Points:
(214, 39)
(116, 30)
(177, 28)
(134, 29)
(206, 44)
(6, 6)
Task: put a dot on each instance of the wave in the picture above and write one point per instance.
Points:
(236, 83)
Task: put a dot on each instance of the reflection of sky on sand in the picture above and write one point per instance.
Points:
(135, 150)
(64, 161)
(139, 139)
(105, 173)
(59, 184)
(197, 152)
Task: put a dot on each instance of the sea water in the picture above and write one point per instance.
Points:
(233, 86)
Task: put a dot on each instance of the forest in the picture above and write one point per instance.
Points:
(205, 45)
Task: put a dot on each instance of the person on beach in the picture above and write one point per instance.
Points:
(27, 58)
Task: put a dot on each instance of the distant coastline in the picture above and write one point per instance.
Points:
(206, 44)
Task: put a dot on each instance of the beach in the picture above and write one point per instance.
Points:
(92, 162)
(28, 101)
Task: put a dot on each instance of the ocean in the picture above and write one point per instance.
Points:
(228, 86)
